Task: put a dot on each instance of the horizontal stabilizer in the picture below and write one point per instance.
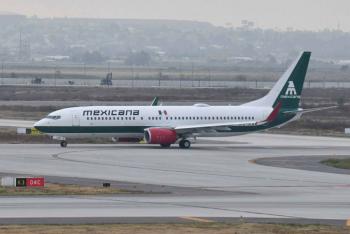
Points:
(302, 111)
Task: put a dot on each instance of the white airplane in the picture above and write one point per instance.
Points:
(166, 125)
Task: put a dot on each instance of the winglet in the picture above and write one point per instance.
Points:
(155, 101)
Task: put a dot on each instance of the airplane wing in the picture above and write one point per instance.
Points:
(212, 127)
(16, 123)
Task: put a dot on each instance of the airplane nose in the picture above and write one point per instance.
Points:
(38, 124)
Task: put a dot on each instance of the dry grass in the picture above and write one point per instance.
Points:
(338, 163)
(217, 228)
(59, 189)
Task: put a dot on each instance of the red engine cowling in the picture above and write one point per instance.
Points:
(161, 136)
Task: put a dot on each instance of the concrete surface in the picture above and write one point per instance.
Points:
(224, 166)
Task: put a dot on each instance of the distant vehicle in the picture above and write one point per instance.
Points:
(70, 82)
(166, 125)
(108, 80)
(37, 80)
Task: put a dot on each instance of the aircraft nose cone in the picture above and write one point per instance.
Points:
(39, 124)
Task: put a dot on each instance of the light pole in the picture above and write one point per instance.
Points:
(2, 72)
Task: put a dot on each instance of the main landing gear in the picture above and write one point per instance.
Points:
(184, 144)
(63, 144)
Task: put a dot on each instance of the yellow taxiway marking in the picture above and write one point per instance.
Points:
(348, 223)
(198, 219)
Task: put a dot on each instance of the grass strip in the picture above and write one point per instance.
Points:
(60, 189)
(338, 163)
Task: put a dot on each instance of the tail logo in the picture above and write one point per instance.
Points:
(291, 92)
(291, 89)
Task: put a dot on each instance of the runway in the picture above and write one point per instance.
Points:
(238, 187)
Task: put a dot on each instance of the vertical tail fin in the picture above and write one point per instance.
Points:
(288, 88)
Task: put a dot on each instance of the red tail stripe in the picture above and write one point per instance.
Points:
(274, 113)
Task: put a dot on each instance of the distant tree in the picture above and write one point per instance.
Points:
(271, 59)
(138, 59)
(92, 57)
(344, 68)
(241, 78)
(340, 102)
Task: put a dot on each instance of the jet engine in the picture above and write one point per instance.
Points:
(162, 136)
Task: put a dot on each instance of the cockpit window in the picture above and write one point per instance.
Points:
(54, 117)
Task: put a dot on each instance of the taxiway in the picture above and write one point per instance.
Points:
(226, 167)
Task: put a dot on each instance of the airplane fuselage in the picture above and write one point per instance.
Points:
(130, 121)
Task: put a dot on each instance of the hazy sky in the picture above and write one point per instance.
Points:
(298, 14)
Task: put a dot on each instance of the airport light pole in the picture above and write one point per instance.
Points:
(2, 72)
(55, 74)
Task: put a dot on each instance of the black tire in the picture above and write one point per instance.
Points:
(165, 145)
(185, 144)
(63, 144)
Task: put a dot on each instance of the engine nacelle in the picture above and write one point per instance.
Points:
(162, 136)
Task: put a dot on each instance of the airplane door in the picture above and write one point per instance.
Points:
(75, 118)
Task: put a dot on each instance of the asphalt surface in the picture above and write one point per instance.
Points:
(216, 179)
(311, 163)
